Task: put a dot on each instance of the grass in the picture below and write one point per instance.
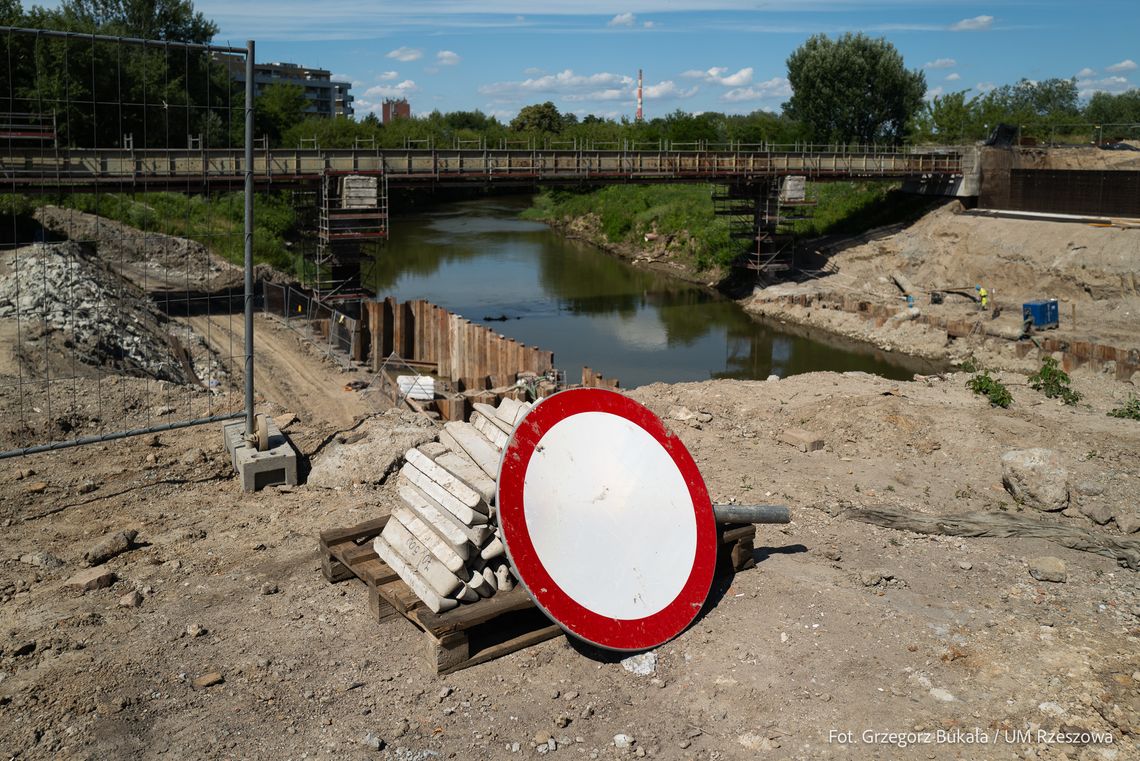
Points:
(627, 212)
(217, 222)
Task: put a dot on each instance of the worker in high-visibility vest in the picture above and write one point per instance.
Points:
(983, 297)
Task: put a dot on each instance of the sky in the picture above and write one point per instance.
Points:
(697, 55)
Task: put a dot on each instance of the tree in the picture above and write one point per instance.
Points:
(174, 20)
(279, 107)
(540, 117)
(949, 118)
(1121, 109)
(853, 89)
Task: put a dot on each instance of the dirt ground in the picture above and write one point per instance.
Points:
(1091, 270)
(841, 627)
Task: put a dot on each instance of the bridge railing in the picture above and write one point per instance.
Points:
(226, 165)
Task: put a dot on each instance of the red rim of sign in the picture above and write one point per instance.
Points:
(603, 631)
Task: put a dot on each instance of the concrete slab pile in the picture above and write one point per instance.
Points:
(444, 540)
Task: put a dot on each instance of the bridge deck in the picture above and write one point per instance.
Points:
(49, 170)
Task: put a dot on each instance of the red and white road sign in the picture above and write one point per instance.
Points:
(606, 519)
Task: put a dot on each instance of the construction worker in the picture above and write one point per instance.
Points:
(983, 297)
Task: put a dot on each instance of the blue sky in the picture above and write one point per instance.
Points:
(714, 55)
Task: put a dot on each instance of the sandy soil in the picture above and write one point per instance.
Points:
(1091, 270)
(841, 627)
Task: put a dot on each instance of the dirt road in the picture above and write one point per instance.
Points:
(290, 373)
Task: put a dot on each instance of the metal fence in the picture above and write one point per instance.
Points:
(331, 329)
(123, 310)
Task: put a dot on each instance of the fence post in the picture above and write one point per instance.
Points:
(249, 73)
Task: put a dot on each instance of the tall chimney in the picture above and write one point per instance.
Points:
(639, 99)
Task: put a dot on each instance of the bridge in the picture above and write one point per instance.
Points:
(50, 170)
(351, 185)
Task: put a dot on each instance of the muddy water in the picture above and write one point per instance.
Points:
(527, 282)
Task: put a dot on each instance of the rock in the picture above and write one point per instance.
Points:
(1099, 513)
(24, 473)
(45, 560)
(38, 487)
(151, 459)
(570, 695)
(805, 441)
(682, 414)
(193, 457)
(942, 695)
(87, 487)
(269, 588)
(1089, 489)
(196, 630)
(562, 722)
(1048, 568)
(207, 680)
(21, 649)
(131, 600)
(642, 664)
(444, 692)
(91, 579)
(965, 566)
(623, 741)
(772, 378)
(372, 742)
(286, 420)
(110, 546)
(1036, 478)
(542, 737)
(378, 452)
(1129, 523)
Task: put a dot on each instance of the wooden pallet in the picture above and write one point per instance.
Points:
(475, 633)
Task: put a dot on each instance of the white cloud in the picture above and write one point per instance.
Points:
(933, 93)
(668, 89)
(622, 19)
(1117, 84)
(984, 86)
(649, 24)
(388, 76)
(1126, 65)
(447, 58)
(564, 83)
(776, 87)
(533, 71)
(977, 23)
(406, 54)
(716, 76)
(398, 90)
(1086, 72)
(940, 63)
(954, 77)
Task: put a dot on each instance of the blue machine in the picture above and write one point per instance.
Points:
(1041, 313)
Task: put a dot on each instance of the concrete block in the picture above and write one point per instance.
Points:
(276, 465)
(805, 441)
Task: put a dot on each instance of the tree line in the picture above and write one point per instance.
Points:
(853, 89)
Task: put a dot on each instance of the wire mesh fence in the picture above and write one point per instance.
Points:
(333, 330)
(122, 285)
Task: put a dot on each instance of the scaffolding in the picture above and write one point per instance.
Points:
(352, 216)
(763, 214)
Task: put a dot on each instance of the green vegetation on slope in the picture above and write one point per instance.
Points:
(216, 222)
(627, 212)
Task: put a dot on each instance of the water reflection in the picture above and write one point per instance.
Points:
(589, 308)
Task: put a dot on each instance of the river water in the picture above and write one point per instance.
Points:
(478, 259)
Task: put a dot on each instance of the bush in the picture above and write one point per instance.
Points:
(990, 388)
(1130, 410)
(1054, 381)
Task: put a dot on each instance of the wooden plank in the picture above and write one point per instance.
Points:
(365, 530)
(512, 645)
(468, 616)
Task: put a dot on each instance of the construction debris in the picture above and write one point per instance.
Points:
(443, 542)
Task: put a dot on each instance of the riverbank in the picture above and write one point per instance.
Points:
(1090, 269)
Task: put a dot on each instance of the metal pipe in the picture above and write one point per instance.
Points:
(752, 514)
(57, 445)
(249, 74)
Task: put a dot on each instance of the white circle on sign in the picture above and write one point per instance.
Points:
(591, 483)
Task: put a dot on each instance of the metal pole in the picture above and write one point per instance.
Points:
(249, 74)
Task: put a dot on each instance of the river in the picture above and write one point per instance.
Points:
(478, 259)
